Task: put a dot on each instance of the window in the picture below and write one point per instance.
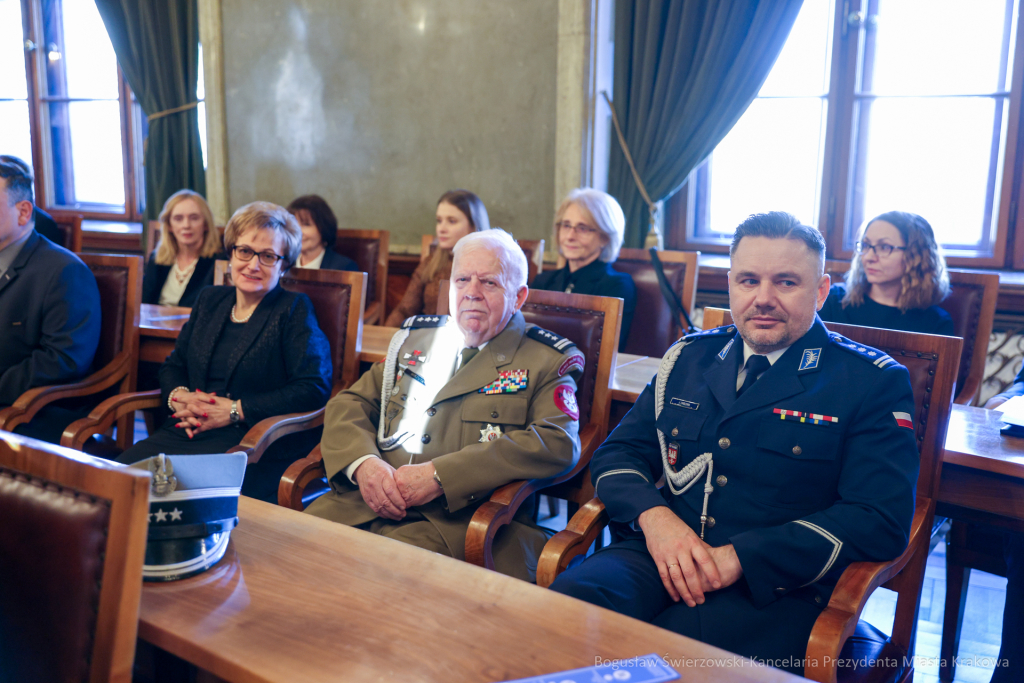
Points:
(872, 106)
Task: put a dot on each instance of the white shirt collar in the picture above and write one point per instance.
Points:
(772, 357)
(315, 263)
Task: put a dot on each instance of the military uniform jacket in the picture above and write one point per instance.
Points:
(477, 441)
(813, 467)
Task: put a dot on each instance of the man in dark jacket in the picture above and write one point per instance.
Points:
(49, 305)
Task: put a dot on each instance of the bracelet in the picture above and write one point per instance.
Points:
(170, 396)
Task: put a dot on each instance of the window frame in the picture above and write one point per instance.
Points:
(837, 166)
(129, 112)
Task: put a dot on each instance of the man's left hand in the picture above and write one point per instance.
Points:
(728, 563)
(416, 483)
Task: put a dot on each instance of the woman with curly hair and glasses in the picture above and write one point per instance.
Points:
(896, 280)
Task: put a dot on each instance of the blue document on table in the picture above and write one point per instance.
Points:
(646, 669)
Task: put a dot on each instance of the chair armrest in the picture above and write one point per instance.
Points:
(968, 393)
(105, 414)
(256, 441)
(505, 502)
(582, 530)
(839, 619)
(297, 477)
(33, 400)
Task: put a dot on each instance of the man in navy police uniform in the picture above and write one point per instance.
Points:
(787, 451)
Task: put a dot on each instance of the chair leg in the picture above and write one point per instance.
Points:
(957, 580)
(908, 602)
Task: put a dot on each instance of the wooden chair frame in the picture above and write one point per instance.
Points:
(376, 310)
(113, 649)
(264, 433)
(122, 369)
(505, 501)
(904, 575)
(73, 223)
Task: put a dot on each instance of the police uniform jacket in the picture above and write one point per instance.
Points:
(477, 440)
(813, 467)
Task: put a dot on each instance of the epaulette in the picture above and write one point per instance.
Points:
(874, 356)
(555, 341)
(420, 321)
(713, 332)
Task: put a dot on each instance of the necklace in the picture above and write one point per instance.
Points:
(244, 320)
(182, 276)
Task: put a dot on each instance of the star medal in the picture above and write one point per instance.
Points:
(415, 358)
(490, 433)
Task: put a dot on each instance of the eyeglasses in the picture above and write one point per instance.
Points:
(881, 249)
(580, 228)
(267, 258)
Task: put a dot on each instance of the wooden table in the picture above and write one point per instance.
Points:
(159, 328)
(632, 373)
(375, 342)
(982, 470)
(299, 598)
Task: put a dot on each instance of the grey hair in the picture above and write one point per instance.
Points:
(603, 211)
(508, 251)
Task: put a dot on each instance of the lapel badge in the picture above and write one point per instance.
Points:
(725, 351)
(809, 360)
(164, 481)
(508, 382)
(673, 454)
(415, 358)
(490, 433)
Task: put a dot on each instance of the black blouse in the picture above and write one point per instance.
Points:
(931, 320)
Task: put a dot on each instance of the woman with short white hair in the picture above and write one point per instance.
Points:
(589, 227)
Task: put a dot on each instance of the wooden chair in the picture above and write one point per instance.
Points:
(70, 225)
(119, 279)
(369, 249)
(73, 542)
(534, 250)
(656, 326)
(335, 294)
(221, 272)
(593, 322)
(838, 634)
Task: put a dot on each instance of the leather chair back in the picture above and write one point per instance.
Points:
(534, 250)
(369, 249)
(655, 325)
(70, 226)
(339, 298)
(120, 283)
(71, 549)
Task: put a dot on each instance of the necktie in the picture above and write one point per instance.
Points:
(756, 365)
(467, 355)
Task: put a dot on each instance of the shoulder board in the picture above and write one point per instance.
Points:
(874, 356)
(713, 332)
(555, 341)
(419, 321)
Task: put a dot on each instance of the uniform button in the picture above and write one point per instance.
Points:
(405, 396)
(494, 413)
(797, 450)
(472, 497)
(425, 438)
(817, 599)
(675, 431)
(711, 522)
(724, 443)
(722, 480)
(432, 412)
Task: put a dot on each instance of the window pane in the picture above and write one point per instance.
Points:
(803, 65)
(15, 138)
(941, 167)
(81, 58)
(769, 161)
(91, 132)
(939, 47)
(12, 55)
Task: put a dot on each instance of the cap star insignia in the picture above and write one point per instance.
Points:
(175, 515)
(161, 516)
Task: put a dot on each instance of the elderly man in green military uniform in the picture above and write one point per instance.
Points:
(461, 405)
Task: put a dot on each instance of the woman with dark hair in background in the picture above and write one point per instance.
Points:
(459, 212)
(182, 263)
(319, 233)
(896, 280)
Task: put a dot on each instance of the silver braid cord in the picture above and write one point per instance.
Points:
(387, 386)
(681, 481)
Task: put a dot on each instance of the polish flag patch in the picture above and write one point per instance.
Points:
(565, 400)
(904, 420)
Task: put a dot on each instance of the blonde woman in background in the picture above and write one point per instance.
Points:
(182, 264)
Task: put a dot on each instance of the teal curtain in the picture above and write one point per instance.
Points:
(157, 47)
(685, 71)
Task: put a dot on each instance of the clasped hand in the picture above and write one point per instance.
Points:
(390, 492)
(201, 412)
(688, 566)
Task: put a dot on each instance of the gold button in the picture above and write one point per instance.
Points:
(711, 522)
(722, 480)
(797, 450)
(675, 431)
(724, 443)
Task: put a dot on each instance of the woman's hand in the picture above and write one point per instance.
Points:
(202, 412)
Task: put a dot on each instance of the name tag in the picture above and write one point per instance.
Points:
(680, 403)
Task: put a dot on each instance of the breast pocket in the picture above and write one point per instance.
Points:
(797, 463)
(679, 424)
(484, 416)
